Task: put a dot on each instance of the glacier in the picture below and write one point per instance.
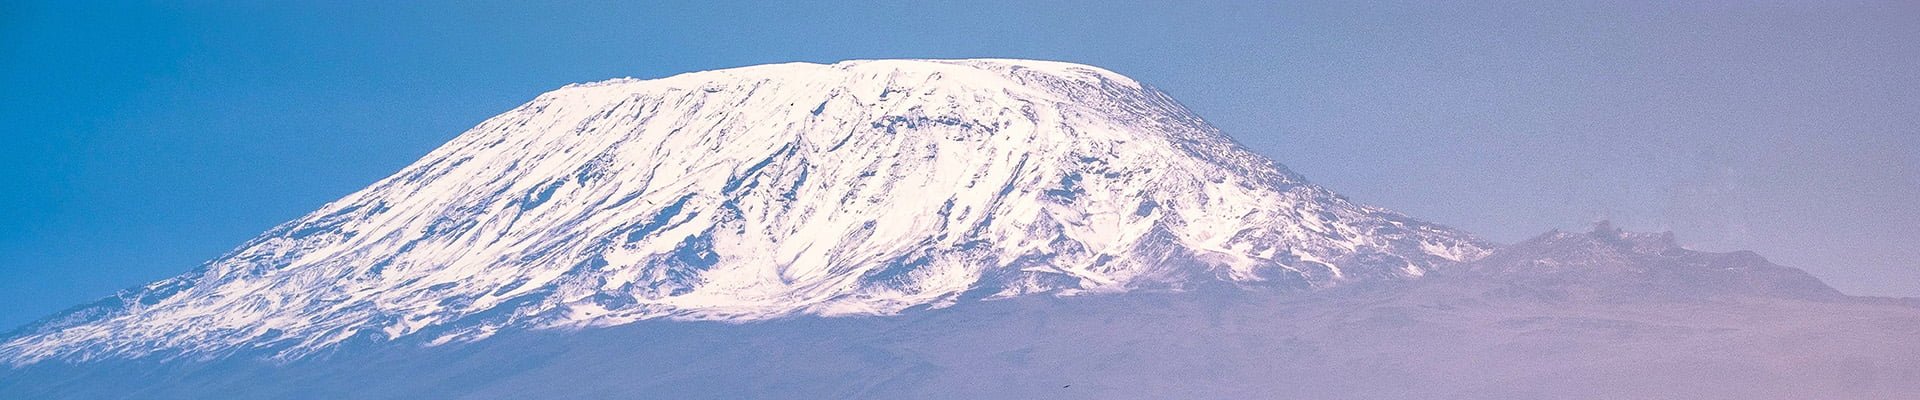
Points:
(856, 188)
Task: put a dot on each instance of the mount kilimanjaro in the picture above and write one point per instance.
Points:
(863, 187)
(933, 229)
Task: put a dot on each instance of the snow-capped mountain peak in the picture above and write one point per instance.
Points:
(861, 187)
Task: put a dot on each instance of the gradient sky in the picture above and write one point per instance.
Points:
(141, 140)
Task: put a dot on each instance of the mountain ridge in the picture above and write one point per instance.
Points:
(1610, 264)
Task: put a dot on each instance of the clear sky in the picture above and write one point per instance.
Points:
(141, 140)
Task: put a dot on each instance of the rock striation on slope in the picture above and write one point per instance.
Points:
(857, 188)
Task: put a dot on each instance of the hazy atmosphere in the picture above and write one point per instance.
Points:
(146, 140)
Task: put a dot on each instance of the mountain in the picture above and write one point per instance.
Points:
(1611, 265)
(757, 193)
(1607, 317)
(934, 229)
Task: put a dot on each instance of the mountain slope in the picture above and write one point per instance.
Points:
(1451, 335)
(863, 187)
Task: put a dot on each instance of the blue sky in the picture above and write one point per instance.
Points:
(143, 139)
